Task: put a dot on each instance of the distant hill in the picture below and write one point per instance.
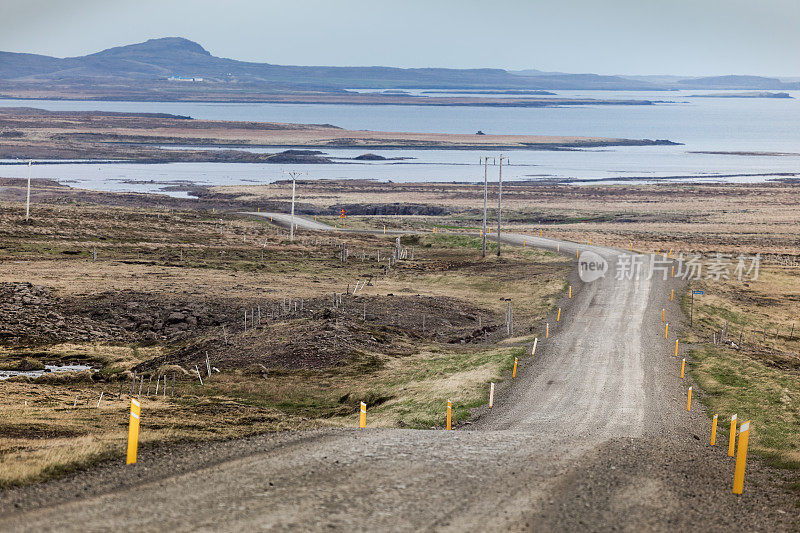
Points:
(159, 59)
(174, 65)
(737, 82)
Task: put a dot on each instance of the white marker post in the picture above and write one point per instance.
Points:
(535, 342)
(28, 201)
(491, 395)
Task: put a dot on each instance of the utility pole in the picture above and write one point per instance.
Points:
(294, 176)
(485, 161)
(499, 201)
(28, 201)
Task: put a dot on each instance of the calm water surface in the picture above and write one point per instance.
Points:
(709, 124)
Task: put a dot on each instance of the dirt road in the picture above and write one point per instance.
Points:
(592, 435)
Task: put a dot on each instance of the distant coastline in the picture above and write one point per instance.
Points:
(746, 94)
(29, 133)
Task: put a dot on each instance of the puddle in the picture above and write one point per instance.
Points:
(5, 374)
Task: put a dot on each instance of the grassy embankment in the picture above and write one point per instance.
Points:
(757, 378)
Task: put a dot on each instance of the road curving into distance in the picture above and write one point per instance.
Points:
(593, 435)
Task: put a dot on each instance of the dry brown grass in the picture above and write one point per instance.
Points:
(140, 250)
(729, 218)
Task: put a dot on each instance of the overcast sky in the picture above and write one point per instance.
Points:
(686, 37)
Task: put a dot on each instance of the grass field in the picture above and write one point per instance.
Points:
(405, 344)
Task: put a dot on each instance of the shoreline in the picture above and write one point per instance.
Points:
(30, 133)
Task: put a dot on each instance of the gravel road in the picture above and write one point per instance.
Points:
(593, 434)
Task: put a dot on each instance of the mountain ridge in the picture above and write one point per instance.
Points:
(155, 61)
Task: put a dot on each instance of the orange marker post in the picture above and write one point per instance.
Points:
(666, 330)
(590, 240)
(741, 458)
(732, 438)
(714, 431)
(577, 254)
(514, 372)
(676, 347)
(449, 415)
(540, 233)
(673, 271)
(547, 331)
(672, 295)
(570, 291)
(558, 316)
(491, 395)
(523, 242)
(384, 229)
(133, 431)
(631, 246)
(689, 400)
(362, 420)
(663, 315)
(683, 366)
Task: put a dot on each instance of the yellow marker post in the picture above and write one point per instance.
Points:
(741, 458)
(491, 395)
(631, 247)
(672, 295)
(577, 254)
(714, 431)
(676, 347)
(689, 400)
(547, 331)
(666, 330)
(732, 438)
(133, 431)
(558, 247)
(683, 366)
(570, 291)
(514, 372)
(558, 316)
(362, 421)
(449, 415)
(384, 229)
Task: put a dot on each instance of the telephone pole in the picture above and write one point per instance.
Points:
(294, 176)
(485, 161)
(499, 201)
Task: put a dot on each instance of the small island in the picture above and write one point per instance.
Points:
(747, 94)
